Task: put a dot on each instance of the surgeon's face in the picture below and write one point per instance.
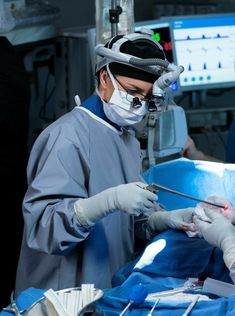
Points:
(133, 87)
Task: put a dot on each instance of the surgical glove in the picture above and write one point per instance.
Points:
(131, 198)
(219, 232)
(176, 219)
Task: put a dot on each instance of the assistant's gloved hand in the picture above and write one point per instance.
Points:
(220, 233)
(163, 220)
(130, 198)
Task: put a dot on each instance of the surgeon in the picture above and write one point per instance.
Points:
(219, 232)
(85, 193)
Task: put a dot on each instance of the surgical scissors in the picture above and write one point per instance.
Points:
(153, 187)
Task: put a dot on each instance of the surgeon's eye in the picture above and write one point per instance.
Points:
(133, 93)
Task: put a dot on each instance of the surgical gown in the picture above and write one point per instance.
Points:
(77, 156)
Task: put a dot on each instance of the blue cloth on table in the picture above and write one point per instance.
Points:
(181, 258)
(198, 178)
(112, 306)
(25, 300)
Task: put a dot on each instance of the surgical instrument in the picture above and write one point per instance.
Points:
(136, 296)
(153, 187)
(152, 309)
(13, 308)
(191, 306)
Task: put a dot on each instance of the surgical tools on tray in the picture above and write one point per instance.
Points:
(136, 296)
(153, 187)
(191, 306)
(153, 308)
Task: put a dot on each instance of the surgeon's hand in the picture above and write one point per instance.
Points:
(177, 219)
(219, 232)
(131, 198)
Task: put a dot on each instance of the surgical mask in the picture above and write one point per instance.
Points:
(120, 110)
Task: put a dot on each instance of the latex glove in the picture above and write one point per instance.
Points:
(130, 198)
(220, 233)
(177, 219)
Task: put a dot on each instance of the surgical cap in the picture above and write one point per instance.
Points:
(142, 48)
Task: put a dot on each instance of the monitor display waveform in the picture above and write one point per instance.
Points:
(206, 49)
(202, 37)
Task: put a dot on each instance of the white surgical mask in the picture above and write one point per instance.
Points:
(119, 110)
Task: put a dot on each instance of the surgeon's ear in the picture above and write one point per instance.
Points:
(104, 79)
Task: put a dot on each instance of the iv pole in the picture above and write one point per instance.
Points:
(114, 13)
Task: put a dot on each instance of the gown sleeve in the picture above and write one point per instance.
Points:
(58, 175)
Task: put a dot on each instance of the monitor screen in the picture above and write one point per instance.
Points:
(205, 46)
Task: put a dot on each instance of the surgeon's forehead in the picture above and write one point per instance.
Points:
(137, 84)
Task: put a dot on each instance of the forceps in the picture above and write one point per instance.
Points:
(191, 306)
(153, 308)
(153, 187)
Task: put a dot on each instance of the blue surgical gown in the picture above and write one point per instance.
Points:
(77, 156)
